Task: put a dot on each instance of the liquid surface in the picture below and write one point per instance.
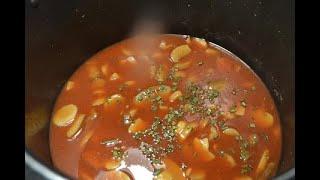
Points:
(165, 107)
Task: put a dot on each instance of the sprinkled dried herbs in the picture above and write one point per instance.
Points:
(246, 169)
(117, 153)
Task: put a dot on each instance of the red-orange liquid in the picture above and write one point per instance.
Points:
(80, 160)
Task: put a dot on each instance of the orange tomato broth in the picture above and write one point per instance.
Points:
(132, 66)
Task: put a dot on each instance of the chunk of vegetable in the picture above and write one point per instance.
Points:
(161, 74)
(76, 125)
(213, 133)
(240, 111)
(185, 132)
(231, 132)
(175, 95)
(112, 164)
(98, 101)
(200, 42)
(229, 116)
(69, 85)
(202, 151)
(203, 123)
(99, 92)
(172, 171)
(163, 45)
(262, 118)
(218, 85)
(180, 126)
(267, 173)
(183, 65)
(138, 125)
(179, 52)
(86, 138)
(130, 83)
(205, 143)
(114, 76)
(229, 159)
(197, 174)
(65, 115)
(263, 162)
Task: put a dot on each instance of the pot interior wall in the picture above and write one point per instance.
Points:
(61, 35)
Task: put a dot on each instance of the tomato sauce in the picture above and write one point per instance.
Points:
(165, 107)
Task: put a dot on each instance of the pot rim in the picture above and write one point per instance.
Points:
(50, 173)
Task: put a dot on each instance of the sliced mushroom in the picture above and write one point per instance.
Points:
(76, 125)
(202, 151)
(128, 60)
(179, 52)
(65, 115)
(267, 173)
(231, 132)
(85, 138)
(98, 101)
(263, 162)
(263, 119)
(138, 125)
(240, 111)
(172, 171)
(175, 95)
(205, 143)
(229, 159)
(213, 133)
(130, 83)
(200, 42)
(185, 132)
(161, 74)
